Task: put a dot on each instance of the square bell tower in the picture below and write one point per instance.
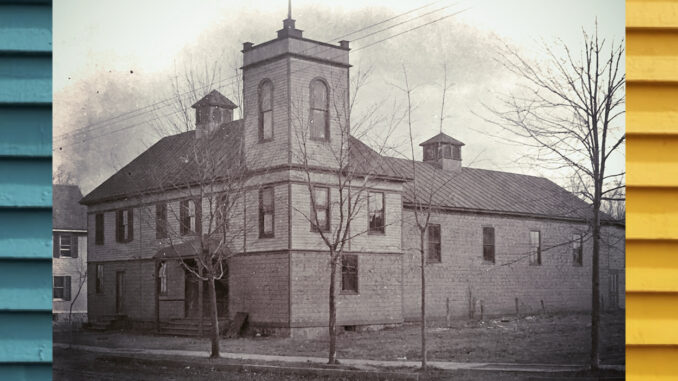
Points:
(295, 98)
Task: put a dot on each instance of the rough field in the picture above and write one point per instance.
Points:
(551, 339)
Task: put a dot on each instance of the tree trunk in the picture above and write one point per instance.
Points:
(215, 319)
(595, 294)
(333, 311)
(423, 301)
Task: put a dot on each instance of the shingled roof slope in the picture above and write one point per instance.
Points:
(67, 213)
(443, 138)
(476, 189)
(167, 162)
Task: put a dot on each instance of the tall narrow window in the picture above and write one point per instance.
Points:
(190, 216)
(266, 111)
(99, 285)
(488, 244)
(320, 123)
(65, 240)
(321, 208)
(161, 221)
(433, 254)
(577, 250)
(349, 273)
(124, 225)
(162, 274)
(62, 288)
(375, 207)
(99, 229)
(535, 248)
(266, 212)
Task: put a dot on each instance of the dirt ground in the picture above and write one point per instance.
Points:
(543, 339)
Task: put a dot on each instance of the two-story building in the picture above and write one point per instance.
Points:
(506, 241)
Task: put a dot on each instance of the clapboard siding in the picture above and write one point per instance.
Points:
(652, 211)
(25, 190)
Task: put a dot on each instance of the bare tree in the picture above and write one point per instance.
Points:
(568, 115)
(422, 197)
(351, 166)
(205, 194)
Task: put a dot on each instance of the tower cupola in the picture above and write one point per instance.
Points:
(213, 110)
(443, 151)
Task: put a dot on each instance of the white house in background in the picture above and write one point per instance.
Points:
(69, 265)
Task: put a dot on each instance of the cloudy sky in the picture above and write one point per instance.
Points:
(114, 62)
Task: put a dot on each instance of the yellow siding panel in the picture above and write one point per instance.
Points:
(651, 363)
(651, 213)
(642, 122)
(651, 68)
(650, 97)
(652, 266)
(652, 43)
(651, 318)
(651, 14)
(652, 161)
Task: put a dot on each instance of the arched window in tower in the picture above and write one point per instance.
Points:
(320, 121)
(266, 111)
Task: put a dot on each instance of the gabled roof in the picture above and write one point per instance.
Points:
(442, 138)
(215, 98)
(170, 162)
(67, 213)
(472, 189)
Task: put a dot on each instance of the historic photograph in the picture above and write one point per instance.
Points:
(313, 190)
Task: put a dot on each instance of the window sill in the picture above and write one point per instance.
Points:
(428, 262)
(489, 263)
(266, 236)
(376, 232)
(263, 141)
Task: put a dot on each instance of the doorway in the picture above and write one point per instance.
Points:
(119, 291)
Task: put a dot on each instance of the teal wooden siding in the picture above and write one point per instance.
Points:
(25, 190)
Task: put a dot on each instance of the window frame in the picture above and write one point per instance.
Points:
(162, 277)
(492, 245)
(578, 250)
(354, 273)
(261, 112)
(65, 288)
(538, 261)
(99, 279)
(377, 230)
(99, 226)
(315, 208)
(439, 250)
(66, 252)
(263, 212)
(223, 201)
(161, 225)
(313, 107)
(124, 233)
(190, 223)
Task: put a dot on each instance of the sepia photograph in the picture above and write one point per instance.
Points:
(315, 190)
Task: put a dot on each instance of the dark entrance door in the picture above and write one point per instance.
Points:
(119, 291)
(192, 301)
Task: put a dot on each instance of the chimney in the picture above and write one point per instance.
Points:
(247, 46)
(344, 44)
(444, 152)
(211, 112)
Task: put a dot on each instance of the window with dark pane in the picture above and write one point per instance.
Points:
(161, 221)
(65, 244)
(124, 226)
(321, 196)
(266, 111)
(577, 250)
(488, 244)
(222, 211)
(189, 214)
(319, 119)
(376, 212)
(99, 229)
(266, 212)
(349, 273)
(434, 245)
(162, 274)
(535, 248)
(62, 288)
(99, 285)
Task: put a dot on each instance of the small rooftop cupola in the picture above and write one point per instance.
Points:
(443, 151)
(213, 110)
